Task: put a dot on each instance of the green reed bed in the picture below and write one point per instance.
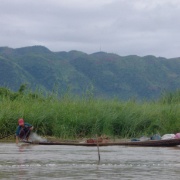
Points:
(69, 117)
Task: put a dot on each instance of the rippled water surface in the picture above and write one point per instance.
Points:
(74, 162)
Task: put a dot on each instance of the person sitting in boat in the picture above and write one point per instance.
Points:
(23, 130)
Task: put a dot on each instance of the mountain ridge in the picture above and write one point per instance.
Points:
(108, 75)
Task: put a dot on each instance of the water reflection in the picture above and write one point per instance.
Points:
(68, 162)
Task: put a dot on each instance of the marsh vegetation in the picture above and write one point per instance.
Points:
(76, 117)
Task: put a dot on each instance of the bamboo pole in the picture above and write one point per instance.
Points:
(98, 149)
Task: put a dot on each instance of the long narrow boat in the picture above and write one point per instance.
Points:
(153, 143)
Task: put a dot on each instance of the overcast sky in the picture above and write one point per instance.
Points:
(124, 27)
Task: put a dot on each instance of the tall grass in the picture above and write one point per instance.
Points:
(74, 117)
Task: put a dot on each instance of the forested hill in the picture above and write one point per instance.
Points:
(102, 74)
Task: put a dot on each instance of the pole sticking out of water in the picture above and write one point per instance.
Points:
(98, 149)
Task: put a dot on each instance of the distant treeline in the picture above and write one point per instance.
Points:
(75, 117)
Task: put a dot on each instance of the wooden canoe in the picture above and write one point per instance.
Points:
(152, 143)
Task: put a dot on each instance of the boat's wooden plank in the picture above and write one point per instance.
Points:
(153, 143)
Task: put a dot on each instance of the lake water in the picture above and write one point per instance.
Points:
(75, 162)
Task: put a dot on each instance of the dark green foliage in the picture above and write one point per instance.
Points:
(22, 88)
(5, 92)
(8, 94)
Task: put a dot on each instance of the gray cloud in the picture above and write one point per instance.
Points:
(125, 27)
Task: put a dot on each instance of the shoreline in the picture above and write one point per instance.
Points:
(78, 140)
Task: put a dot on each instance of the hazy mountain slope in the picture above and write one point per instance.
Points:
(11, 75)
(109, 75)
